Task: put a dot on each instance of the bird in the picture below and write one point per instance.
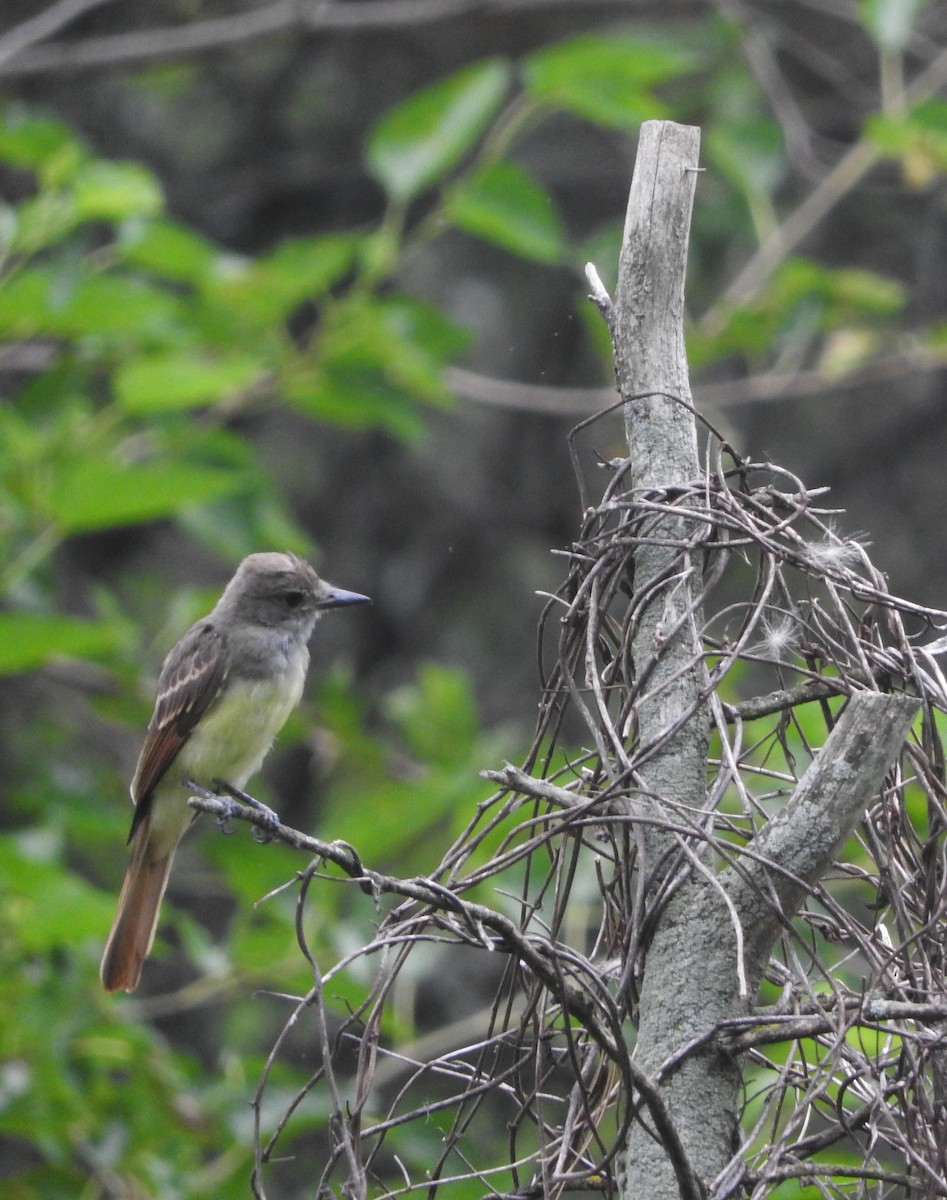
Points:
(225, 690)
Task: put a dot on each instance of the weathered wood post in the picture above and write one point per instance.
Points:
(711, 942)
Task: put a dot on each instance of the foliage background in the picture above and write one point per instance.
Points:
(254, 294)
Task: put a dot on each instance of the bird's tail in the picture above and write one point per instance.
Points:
(133, 929)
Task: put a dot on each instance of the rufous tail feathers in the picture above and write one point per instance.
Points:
(133, 929)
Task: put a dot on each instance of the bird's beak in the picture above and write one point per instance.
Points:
(337, 597)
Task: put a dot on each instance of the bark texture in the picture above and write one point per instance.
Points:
(711, 942)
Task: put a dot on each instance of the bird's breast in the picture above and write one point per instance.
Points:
(232, 738)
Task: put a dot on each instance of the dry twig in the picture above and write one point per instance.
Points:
(861, 970)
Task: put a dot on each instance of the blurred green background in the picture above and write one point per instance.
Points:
(311, 278)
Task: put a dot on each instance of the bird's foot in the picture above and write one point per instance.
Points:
(231, 808)
(262, 833)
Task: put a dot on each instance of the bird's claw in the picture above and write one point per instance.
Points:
(223, 819)
(271, 820)
(264, 833)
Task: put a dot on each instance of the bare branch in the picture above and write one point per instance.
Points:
(803, 837)
(424, 891)
(15, 41)
(830, 190)
(196, 37)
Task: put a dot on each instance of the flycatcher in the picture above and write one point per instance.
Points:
(225, 691)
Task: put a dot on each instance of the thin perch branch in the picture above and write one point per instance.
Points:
(511, 938)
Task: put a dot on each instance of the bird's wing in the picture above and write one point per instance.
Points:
(191, 678)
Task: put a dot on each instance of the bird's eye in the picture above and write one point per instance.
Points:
(294, 599)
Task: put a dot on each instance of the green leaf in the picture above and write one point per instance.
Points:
(43, 146)
(935, 337)
(27, 640)
(259, 295)
(114, 305)
(27, 142)
(846, 291)
(53, 908)
(388, 333)
(422, 139)
(918, 140)
(930, 116)
(437, 715)
(377, 360)
(803, 296)
(112, 191)
(352, 396)
(74, 187)
(167, 249)
(394, 822)
(40, 301)
(90, 495)
(175, 382)
(504, 205)
(605, 79)
(305, 268)
(44, 220)
(411, 324)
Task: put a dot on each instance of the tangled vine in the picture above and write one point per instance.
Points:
(842, 1051)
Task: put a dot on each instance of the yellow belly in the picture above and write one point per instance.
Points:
(233, 736)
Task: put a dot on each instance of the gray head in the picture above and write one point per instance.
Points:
(279, 589)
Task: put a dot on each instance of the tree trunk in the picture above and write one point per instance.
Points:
(711, 941)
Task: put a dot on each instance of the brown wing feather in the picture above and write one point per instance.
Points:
(192, 675)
